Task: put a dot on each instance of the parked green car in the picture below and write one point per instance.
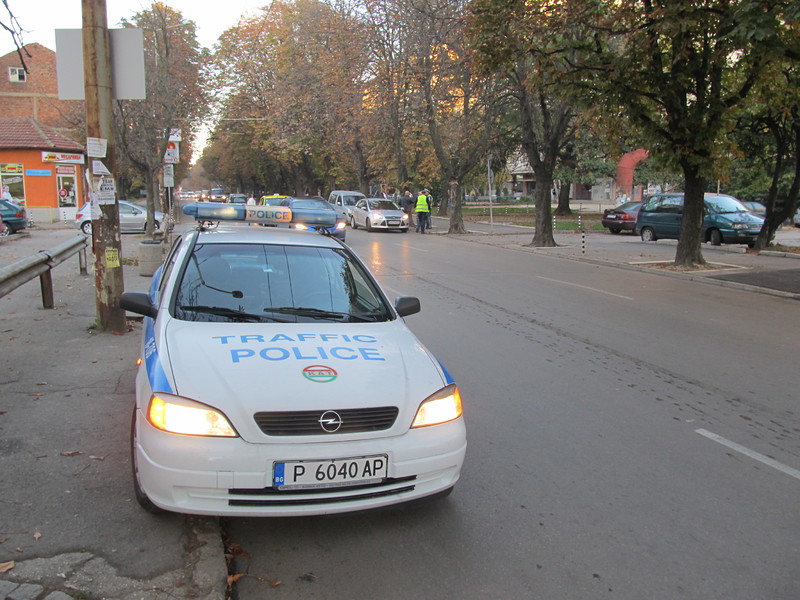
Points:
(726, 220)
(12, 218)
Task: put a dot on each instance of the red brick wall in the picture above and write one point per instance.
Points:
(37, 96)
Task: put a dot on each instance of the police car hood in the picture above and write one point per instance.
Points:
(243, 368)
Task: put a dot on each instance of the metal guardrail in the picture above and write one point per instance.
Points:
(41, 264)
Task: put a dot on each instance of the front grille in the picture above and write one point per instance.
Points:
(307, 422)
(275, 497)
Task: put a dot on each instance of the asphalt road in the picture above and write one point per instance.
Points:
(599, 403)
(631, 433)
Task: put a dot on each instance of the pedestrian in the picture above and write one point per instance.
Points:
(251, 200)
(407, 204)
(423, 210)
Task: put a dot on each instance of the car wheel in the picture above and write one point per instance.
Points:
(86, 227)
(141, 497)
(648, 235)
(353, 223)
(715, 237)
(6, 231)
(368, 226)
(614, 229)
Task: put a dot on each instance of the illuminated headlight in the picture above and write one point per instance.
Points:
(404, 218)
(441, 407)
(302, 226)
(179, 415)
(341, 225)
(379, 218)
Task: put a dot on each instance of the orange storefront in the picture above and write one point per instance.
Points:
(42, 169)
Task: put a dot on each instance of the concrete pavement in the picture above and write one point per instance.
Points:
(69, 525)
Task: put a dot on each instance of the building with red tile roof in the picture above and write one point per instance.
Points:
(41, 164)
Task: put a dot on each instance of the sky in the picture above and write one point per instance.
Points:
(40, 18)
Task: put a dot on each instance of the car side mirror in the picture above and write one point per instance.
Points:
(406, 305)
(139, 303)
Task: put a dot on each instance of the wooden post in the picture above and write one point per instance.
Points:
(109, 283)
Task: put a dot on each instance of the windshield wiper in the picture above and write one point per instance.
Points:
(317, 313)
(235, 315)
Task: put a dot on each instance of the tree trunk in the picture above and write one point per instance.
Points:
(151, 182)
(563, 209)
(455, 200)
(688, 254)
(543, 236)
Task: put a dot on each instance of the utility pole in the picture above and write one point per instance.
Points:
(109, 283)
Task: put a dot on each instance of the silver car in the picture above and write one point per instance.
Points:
(377, 213)
(132, 218)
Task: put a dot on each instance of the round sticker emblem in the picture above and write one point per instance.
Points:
(320, 373)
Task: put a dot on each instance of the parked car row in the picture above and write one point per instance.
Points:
(726, 219)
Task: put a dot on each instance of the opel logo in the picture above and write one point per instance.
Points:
(330, 421)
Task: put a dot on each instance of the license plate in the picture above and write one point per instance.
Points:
(394, 222)
(611, 216)
(336, 472)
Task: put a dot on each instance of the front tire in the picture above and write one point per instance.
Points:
(648, 234)
(353, 223)
(715, 237)
(368, 226)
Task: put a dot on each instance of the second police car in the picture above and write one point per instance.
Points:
(277, 380)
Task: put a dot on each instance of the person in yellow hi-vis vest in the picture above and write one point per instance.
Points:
(423, 210)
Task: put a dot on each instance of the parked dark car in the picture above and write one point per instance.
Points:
(622, 217)
(755, 208)
(726, 220)
(14, 218)
(237, 199)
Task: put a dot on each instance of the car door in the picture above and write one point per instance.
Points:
(131, 218)
(359, 213)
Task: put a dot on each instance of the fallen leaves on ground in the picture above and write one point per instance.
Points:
(234, 578)
(6, 566)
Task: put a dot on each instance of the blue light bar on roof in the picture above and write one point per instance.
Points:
(217, 211)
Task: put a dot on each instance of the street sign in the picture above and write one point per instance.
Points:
(169, 176)
(171, 156)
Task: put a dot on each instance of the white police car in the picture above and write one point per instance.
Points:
(277, 380)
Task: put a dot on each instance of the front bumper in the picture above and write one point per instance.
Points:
(231, 477)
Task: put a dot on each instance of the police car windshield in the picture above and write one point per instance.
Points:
(267, 282)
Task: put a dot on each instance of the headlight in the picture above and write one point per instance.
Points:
(301, 226)
(186, 417)
(341, 225)
(742, 226)
(441, 407)
(404, 217)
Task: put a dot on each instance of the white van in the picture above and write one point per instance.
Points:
(344, 200)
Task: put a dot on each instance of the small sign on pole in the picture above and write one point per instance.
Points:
(171, 156)
(169, 176)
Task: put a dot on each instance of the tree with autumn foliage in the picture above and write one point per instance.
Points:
(296, 72)
(461, 109)
(679, 72)
(176, 98)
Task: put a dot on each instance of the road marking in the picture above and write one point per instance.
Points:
(591, 289)
(751, 453)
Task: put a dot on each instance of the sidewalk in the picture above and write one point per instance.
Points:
(773, 273)
(69, 524)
